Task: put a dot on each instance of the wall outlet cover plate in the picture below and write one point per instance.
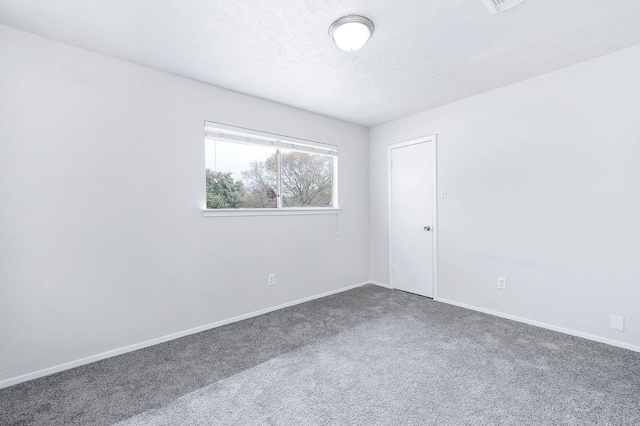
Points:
(617, 323)
(502, 283)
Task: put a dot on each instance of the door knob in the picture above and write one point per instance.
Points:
(427, 228)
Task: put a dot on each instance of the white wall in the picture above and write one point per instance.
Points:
(102, 239)
(543, 181)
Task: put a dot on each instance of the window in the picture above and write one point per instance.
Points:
(247, 169)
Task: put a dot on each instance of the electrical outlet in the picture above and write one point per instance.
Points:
(502, 283)
(617, 323)
(272, 279)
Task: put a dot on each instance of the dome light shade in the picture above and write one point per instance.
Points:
(351, 32)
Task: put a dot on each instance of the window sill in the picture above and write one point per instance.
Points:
(269, 212)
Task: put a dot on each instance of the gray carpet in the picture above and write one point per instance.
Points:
(367, 356)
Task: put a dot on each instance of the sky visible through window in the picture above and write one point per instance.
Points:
(233, 157)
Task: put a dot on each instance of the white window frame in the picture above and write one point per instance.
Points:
(228, 133)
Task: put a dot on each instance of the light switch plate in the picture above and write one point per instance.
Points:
(443, 194)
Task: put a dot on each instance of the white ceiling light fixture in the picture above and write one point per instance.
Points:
(351, 32)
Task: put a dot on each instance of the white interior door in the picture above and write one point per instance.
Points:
(412, 216)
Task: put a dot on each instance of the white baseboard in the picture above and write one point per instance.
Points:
(544, 325)
(93, 358)
(381, 284)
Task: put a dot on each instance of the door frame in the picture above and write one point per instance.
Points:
(434, 225)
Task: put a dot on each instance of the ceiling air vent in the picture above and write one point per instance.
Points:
(497, 6)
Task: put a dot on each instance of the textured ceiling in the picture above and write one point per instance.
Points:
(423, 53)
